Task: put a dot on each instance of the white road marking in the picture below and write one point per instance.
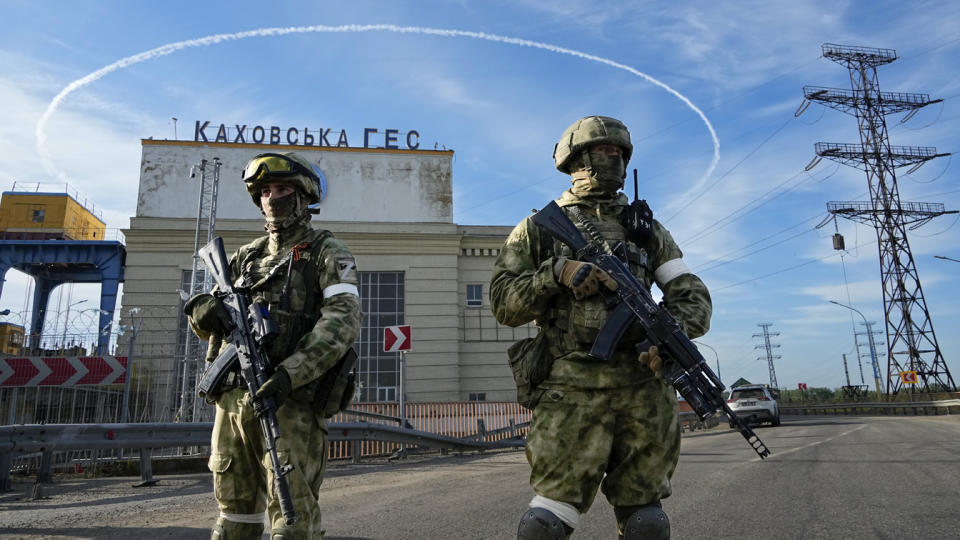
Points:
(792, 450)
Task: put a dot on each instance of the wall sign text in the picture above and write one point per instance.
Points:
(390, 139)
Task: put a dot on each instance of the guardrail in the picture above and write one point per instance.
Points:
(912, 408)
(49, 438)
(45, 439)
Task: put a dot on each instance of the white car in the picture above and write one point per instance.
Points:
(754, 404)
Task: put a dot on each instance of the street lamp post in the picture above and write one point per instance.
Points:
(717, 356)
(946, 258)
(66, 322)
(126, 383)
(873, 349)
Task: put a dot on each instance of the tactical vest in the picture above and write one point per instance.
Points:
(581, 320)
(287, 284)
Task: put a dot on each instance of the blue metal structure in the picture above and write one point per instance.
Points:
(54, 262)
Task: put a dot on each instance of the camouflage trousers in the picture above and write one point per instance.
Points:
(625, 441)
(243, 481)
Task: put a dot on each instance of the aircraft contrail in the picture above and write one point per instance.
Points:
(171, 48)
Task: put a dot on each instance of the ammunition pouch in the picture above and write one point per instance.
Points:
(334, 390)
(530, 362)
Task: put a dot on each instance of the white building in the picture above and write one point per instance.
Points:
(392, 207)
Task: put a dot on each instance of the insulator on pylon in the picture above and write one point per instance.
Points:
(838, 242)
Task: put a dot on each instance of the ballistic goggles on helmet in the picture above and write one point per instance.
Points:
(279, 165)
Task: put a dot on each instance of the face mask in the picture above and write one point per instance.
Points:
(609, 170)
(283, 212)
(604, 178)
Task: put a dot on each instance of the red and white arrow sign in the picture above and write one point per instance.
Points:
(63, 371)
(396, 338)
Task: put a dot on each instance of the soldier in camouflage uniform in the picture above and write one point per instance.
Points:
(611, 425)
(308, 280)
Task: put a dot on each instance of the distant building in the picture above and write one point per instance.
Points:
(392, 207)
(30, 215)
(11, 338)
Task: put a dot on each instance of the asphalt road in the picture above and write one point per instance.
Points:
(828, 477)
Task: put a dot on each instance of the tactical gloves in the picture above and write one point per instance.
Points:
(651, 357)
(277, 386)
(207, 315)
(583, 278)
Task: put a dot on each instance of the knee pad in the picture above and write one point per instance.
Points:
(647, 522)
(232, 530)
(542, 524)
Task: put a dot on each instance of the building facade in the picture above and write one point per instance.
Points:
(392, 207)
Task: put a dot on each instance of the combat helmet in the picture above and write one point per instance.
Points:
(590, 131)
(290, 167)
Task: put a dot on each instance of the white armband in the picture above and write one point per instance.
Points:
(341, 288)
(669, 270)
(242, 518)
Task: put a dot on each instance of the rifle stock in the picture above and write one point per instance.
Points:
(251, 328)
(685, 367)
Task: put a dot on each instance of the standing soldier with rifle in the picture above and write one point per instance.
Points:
(288, 308)
(607, 423)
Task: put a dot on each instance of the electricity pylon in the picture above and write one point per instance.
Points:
(911, 342)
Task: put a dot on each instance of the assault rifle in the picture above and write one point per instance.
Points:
(251, 330)
(684, 366)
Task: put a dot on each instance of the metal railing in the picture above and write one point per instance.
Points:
(44, 441)
(23, 231)
(912, 408)
(448, 419)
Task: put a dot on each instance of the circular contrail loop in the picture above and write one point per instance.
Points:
(171, 48)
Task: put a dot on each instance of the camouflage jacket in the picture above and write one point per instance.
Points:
(322, 319)
(524, 289)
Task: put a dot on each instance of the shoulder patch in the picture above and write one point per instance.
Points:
(345, 265)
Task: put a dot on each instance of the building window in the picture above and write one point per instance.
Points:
(387, 393)
(38, 215)
(382, 301)
(474, 295)
(477, 396)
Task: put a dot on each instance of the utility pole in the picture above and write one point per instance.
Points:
(845, 370)
(131, 351)
(851, 391)
(768, 347)
(856, 342)
(194, 352)
(872, 352)
(911, 342)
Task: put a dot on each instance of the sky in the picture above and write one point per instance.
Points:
(709, 91)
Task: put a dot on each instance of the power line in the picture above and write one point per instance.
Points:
(732, 216)
(787, 269)
(764, 248)
(719, 259)
(729, 99)
(701, 233)
(955, 219)
(704, 191)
